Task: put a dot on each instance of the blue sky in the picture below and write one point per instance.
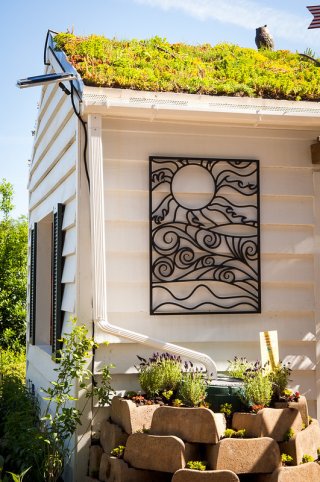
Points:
(24, 26)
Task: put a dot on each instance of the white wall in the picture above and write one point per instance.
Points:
(53, 179)
(287, 244)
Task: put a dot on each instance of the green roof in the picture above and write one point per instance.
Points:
(158, 66)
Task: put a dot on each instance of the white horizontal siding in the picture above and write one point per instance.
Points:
(53, 180)
(292, 326)
(283, 181)
(287, 269)
(287, 244)
(230, 142)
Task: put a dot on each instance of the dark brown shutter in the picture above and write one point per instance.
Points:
(33, 282)
(56, 273)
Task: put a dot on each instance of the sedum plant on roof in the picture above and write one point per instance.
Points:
(223, 69)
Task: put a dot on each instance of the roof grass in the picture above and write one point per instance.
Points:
(158, 66)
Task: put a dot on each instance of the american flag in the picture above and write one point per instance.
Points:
(315, 10)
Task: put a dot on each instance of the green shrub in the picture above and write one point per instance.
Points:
(13, 363)
(43, 443)
(238, 367)
(196, 465)
(192, 388)
(279, 377)
(160, 374)
(19, 429)
(257, 389)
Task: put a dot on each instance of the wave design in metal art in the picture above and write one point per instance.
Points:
(204, 236)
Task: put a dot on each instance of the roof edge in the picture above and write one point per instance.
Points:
(159, 104)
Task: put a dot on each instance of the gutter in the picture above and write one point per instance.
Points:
(99, 263)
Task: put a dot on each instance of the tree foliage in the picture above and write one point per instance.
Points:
(13, 270)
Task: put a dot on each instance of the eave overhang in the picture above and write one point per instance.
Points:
(167, 106)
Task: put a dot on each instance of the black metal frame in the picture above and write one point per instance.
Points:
(33, 284)
(56, 275)
(187, 257)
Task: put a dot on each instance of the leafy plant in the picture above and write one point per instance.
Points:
(290, 396)
(118, 451)
(257, 389)
(230, 433)
(223, 69)
(289, 435)
(192, 388)
(176, 402)
(13, 363)
(197, 465)
(159, 374)
(227, 409)
(13, 269)
(279, 377)
(238, 367)
(307, 458)
(286, 459)
(61, 419)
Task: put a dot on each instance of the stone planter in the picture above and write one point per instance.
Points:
(129, 417)
(244, 456)
(300, 405)
(309, 472)
(111, 436)
(269, 422)
(158, 452)
(189, 475)
(198, 425)
(117, 470)
(305, 442)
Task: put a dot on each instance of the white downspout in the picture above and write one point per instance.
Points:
(100, 312)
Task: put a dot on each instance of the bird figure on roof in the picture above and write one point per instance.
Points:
(263, 38)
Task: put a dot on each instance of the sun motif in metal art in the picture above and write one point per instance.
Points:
(204, 236)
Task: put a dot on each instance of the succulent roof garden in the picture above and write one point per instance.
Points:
(159, 66)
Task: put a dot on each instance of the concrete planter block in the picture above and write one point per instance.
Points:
(305, 442)
(95, 454)
(117, 470)
(90, 479)
(111, 436)
(309, 472)
(198, 425)
(268, 422)
(251, 422)
(155, 452)
(189, 475)
(131, 418)
(300, 405)
(244, 456)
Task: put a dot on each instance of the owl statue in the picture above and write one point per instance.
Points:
(263, 38)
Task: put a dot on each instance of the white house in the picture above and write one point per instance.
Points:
(104, 177)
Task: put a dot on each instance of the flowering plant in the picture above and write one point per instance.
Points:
(290, 396)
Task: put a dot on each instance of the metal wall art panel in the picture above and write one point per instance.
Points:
(204, 236)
